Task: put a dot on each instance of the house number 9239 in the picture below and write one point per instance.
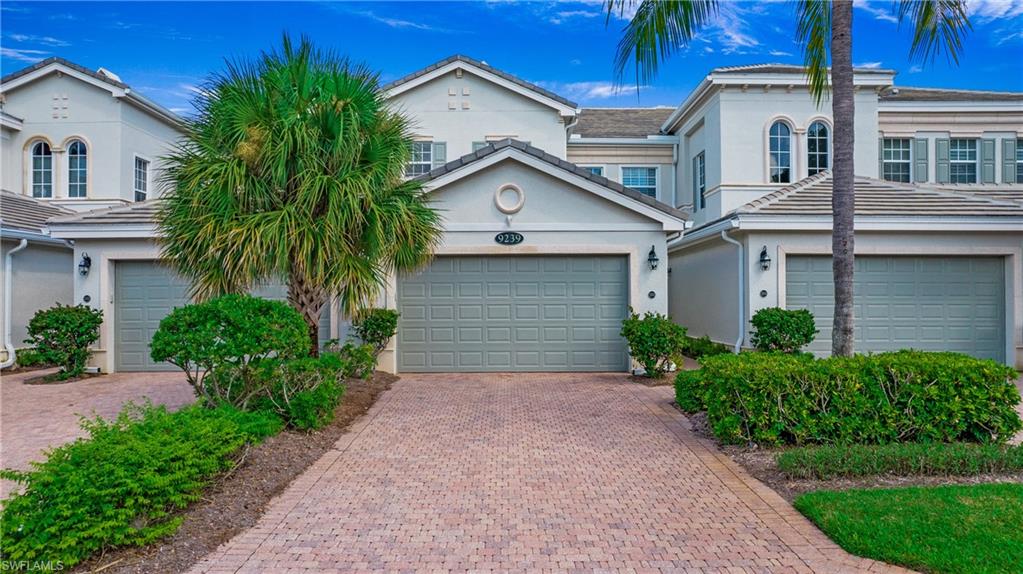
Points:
(509, 238)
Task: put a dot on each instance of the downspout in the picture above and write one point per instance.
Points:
(674, 173)
(742, 283)
(8, 303)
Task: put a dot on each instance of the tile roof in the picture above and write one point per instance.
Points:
(997, 192)
(620, 122)
(141, 213)
(909, 94)
(55, 60)
(482, 66)
(812, 196)
(554, 161)
(24, 213)
(775, 68)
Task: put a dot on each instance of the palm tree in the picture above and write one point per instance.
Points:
(660, 28)
(293, 171)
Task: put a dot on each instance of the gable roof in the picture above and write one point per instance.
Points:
(23, 213)
(526, 150)
(910, 94)
(776, 68)
(141, 213)
(812, 196)
(110, 82)
(620, 122)
(567, 107)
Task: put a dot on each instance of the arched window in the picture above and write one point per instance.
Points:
(818, 156)
(42, 170)
(77, 169)
(781, 153)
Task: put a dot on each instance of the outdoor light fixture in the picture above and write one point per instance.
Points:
(652, 258)
(84, 265)
(765, 259)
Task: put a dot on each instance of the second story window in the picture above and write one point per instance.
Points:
(595, 169)
(700, 181)
(817, 148)
(141, 179)
(895, 159)
(642, 179)
(77, 169)
(780, 143)
(962, 160)
(422, 159)
(42, 170)
(1019, 160)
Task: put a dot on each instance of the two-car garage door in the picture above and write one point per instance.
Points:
(927, 303)
(514, 313)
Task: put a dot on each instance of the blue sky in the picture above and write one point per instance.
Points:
(165, 50)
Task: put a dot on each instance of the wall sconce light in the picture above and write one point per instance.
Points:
(84, 265)
(652, 258)
(765, 259)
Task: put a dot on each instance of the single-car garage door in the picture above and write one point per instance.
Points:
(514, 313)
(144, 293)
(927, 303)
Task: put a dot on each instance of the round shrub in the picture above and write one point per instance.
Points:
(62, 334)
(785, 330)
(654, 339)
(376, 328)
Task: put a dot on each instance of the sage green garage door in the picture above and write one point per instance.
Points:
(927, 303)
(144, 293)
(514, 313)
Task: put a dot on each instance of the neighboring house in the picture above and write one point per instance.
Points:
(37, 268)
(79, 138)
(558, 218)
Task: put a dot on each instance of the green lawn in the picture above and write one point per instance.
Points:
(948, 529)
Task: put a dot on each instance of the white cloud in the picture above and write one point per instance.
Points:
(730, 29)
(30, 56)
(916, 69)
(880, 10)
(44, 40)
(399, 23)
(780, 53)
(985, 10)
(868, 65)
(560, 17)
(598, 90)
(1006, 36)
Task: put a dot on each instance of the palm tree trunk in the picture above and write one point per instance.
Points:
(843, 199)
(309, 300)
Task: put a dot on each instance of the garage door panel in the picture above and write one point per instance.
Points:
(928, 303)
(532, 313)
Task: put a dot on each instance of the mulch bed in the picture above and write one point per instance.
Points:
(759, 462)
(238, 499)
(51, 379)
(666, 380)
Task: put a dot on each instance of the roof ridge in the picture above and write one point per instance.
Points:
(971, 90)
(81, 215)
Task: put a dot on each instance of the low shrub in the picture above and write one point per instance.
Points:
(376, 328)
(121, 485)
(654, 339)
(703, 347)
(29, 357)
(304, 392)
(220, 343)
(905, 396)
(358, 361)
(785, 330)
(910, 459)
(61, 335)
(689, 391)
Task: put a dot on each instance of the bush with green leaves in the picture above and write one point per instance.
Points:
(654, 340)
(62, 335)
(121, 485)
(905, 396)
(220, 343)
(376, 328)
(909, 459)
(785, 330)
(703, 347)
(29, 357)
(359, 361)
(305, 392)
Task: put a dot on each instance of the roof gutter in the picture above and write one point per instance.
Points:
(742, 291)
(33, 237)
(9, 304)
(704, 233)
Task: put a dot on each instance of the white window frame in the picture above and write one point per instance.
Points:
(410, 169)
(700, 181)
(788, 153)
(810, 170)
(84, 169)
(136, 158)
(657, 177)
(32, 171)
(591, 167)
(886, 161)
(975, 162)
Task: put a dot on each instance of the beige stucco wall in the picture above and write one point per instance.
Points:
(493, 111)
(42, 277)
(612, 157)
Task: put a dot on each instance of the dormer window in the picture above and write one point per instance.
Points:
(42, 170)
(780, 144)
(77, 169)
(817, 148)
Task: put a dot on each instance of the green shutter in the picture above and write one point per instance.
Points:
(880, 158)
(920, 162)
(1009, 161)
(987, 161)
(941, 170)
(440, 154)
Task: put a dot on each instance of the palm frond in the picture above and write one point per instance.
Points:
(813, 32)
(938, 26)
(659, 29)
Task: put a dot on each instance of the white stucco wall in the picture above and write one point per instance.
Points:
(492, 111)
(42, 277)
(612, 157)
(703, 290)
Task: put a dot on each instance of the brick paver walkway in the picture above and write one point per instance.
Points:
(528, 472)
(36, 417)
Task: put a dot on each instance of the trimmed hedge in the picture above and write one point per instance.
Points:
(697, 348)
(910, 459)
(905, 396)
(122, 484)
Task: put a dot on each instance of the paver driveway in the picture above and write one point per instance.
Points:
(527, 472)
